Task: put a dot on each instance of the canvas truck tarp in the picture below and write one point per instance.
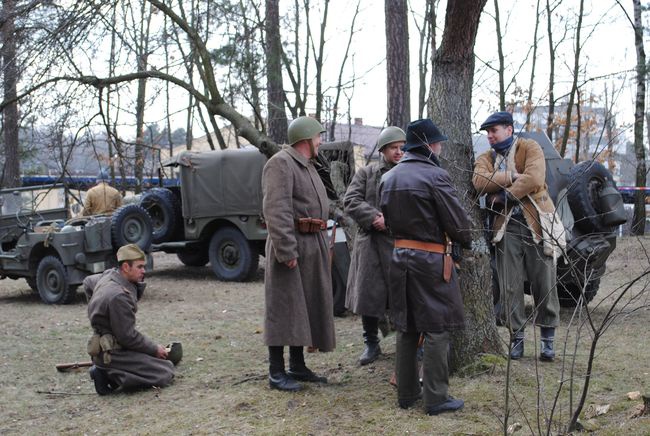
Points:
(203, 182)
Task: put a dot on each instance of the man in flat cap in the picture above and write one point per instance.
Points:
(513, 174)
(423, 214)
(101, 198)
(123, 357)
(367, 287)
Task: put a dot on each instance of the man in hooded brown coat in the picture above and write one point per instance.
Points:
(367, 288)
(297, 280)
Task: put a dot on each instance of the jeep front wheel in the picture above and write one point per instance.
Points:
(232, 257)
(52, 282)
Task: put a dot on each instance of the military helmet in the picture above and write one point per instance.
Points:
(174, 352)
(389, 135)
(303, 128)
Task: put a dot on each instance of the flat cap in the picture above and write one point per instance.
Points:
(130, 252)
(498, 118)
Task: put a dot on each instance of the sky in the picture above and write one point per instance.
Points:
(608, 47)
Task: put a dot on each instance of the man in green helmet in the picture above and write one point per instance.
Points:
(297, 280)
(367, 290)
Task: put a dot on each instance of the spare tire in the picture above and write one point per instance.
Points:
(165, 211)
(131, 224)
(587, 179)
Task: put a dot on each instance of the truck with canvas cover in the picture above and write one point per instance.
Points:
(215, 214)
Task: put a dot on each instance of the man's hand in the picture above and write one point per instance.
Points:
(378, 223)
(291, 264)
(161, 352)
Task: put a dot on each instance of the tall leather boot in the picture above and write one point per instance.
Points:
(278, 378)
(298, 370)
(547, 353)
(517, 345)
(371, 339)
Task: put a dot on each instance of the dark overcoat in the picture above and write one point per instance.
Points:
(419, 203)
(112, 309)
(367, 286)
(298, 301)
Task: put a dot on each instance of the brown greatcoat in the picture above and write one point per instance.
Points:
(526, 158)
(367, 287)
(112, 309)
(101, 199)
(299, 308)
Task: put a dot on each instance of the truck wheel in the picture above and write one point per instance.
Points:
(131, 224)
(31, 281)
(52, 282)
(165, 212)
(569, 293)
(587, 180)
(232, 257)
(198, 257)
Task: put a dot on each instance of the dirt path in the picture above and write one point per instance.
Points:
(221, 385)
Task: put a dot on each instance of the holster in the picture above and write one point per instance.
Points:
(310, 225)
(447, 263)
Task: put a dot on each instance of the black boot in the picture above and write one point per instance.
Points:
(371, 339)
(517, 345)
(547, 353)
(298, 370)
(103, 384)
(278, 379)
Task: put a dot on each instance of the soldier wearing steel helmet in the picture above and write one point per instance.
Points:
(367, 288)
(102, 198)
(123, 357)
(297, 280)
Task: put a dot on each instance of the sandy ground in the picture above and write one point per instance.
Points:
(221, 385)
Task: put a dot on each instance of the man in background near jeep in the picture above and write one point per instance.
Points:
(123, 357)
(367, 288)
(513, 173)
(101, 198)
(297, 281)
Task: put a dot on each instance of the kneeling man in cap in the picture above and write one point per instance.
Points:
(123, 357)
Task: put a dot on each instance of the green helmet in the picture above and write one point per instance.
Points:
(389, 135)
(175, 352)
(303, 128)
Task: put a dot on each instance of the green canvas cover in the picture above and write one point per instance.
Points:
(220, 183)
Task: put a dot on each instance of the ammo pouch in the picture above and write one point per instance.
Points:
(310, 225)
(104, 343)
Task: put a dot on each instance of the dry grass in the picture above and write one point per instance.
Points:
(221, 385)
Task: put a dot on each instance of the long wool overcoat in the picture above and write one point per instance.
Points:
(367, 287)
(112, 309)
(299, 308)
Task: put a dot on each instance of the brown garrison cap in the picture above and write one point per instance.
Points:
(130, 252)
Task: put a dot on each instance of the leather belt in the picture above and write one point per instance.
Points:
(431, 247)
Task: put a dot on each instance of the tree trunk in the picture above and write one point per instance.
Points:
(551, 75)
(576, 157)
(501, 71)
(427, 43)
(529, 103)
(142, 55)
(574, 85)
(450, 107)
(638, 222)
(11, 174)
(277, 116)
(319, 64)
(397, 63)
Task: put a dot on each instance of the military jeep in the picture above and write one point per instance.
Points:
(54, 253)
(591, 209)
